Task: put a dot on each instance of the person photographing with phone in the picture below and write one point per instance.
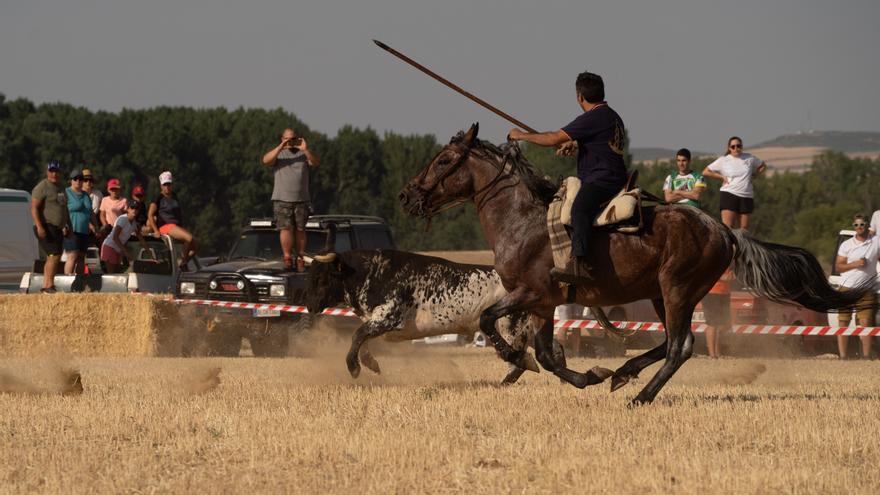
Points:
(290, 162)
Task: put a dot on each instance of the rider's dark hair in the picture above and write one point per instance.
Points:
(684, 152)
(590, 87)
(732, 138)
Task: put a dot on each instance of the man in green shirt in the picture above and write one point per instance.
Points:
(686, 186)
(51, 221)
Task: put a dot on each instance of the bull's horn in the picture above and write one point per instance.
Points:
(325, 258)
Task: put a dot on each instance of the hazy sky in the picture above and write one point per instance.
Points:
(681, 73)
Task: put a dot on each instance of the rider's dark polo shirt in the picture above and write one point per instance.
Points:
(601, 141)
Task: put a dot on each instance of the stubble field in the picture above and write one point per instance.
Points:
(434, 422)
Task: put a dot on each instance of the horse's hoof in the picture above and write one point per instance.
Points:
(528, 362)
(618, 381)
(638, 402)
(601, 373)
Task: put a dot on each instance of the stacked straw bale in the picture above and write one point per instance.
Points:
(84, 325)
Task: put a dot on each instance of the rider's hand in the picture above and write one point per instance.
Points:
(567, 149)
(515, 134)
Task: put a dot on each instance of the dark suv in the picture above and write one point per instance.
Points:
(254, 272)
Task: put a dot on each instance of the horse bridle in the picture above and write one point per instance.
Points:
(479, 202)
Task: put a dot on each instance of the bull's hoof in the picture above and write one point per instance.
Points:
(638, 402)
(528, 362)
(619, 381)
(512, 375)
(353, 368)
(370, 362)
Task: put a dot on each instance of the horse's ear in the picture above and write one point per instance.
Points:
(471, 134)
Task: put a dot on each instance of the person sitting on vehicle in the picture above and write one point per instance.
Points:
(165, 218)
(113, 251)
(79, 208)
(857, 264)
(138, 194)
(685, 186)
(290, 162)
(51, 221)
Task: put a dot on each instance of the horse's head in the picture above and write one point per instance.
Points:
(444, 180)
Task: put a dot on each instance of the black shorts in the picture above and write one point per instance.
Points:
(716, 309)
(736, 203)
(288, 215)
(51, 245)
(77, 242)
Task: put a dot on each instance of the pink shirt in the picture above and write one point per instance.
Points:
(113, 208)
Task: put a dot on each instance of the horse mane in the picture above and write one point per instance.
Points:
(540, 186)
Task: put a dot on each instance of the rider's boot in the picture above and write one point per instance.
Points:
(576, 270)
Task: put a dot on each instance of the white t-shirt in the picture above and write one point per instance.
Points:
(738, 171)
(875, 222)
(96, 197)
(125, 228)
(853, 249)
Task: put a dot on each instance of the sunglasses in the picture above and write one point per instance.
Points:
(78, 179)
(857, 225)
(89, 179)
(736, 146)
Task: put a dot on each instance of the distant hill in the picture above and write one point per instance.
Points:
(835, 140)
(653, 154)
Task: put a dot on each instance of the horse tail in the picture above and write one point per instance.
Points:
(784, 274)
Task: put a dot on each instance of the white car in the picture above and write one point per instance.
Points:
(18, 244)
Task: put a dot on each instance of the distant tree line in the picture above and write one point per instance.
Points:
(215, 153)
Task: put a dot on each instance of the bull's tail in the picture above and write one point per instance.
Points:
(785, 274)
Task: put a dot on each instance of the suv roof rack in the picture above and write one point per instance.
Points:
(341, 218)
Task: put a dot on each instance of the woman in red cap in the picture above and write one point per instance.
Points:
(112, 206)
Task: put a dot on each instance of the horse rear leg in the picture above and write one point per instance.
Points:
(634, 366)
(679, 347)
(550, 360)
(365, 332)
(508, 304)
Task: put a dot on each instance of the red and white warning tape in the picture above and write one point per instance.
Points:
(585, 324)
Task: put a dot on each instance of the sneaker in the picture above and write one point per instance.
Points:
(300, 264)
(577, 270)
(288, 263)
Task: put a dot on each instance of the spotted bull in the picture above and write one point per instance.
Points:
(407, 296)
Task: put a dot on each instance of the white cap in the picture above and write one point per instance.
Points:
(165, 178)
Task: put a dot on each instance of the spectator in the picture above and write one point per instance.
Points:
(138, 194)
(49, 212)
(736, 170)
(290, 162)
(686, 186)
(95, 195)
(857, 263)
(112, 206)
(716, 309)
(113, 251)
(165, 218)
(79, 208)
(874, 227)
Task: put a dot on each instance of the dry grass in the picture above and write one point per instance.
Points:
(435, 422)
(91, 325)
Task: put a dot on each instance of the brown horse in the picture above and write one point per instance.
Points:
(674, 261)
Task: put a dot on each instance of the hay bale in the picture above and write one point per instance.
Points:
(91, 324)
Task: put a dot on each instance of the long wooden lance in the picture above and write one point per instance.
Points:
(454, 87)
(597, 311)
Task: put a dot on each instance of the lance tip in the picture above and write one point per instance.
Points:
(380, 44)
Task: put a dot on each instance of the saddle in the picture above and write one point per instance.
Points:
(623, 213)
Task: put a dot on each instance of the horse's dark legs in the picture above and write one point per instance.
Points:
(507, 305)
(634, 366)
(550, 360)
(366, 331)
(679, 347)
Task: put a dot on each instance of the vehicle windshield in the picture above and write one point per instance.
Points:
(264, 244)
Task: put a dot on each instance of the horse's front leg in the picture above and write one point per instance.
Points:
(510, 303)
(550, 358)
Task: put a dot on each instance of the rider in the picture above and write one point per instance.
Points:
(599, 136)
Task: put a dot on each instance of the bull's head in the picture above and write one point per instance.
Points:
(326, 282)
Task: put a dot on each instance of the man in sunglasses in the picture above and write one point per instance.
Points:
(51, 221)
(856, 261)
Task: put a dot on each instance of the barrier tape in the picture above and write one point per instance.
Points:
(810, 330)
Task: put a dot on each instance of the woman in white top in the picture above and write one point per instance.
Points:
(736, 170)
(857, 264)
